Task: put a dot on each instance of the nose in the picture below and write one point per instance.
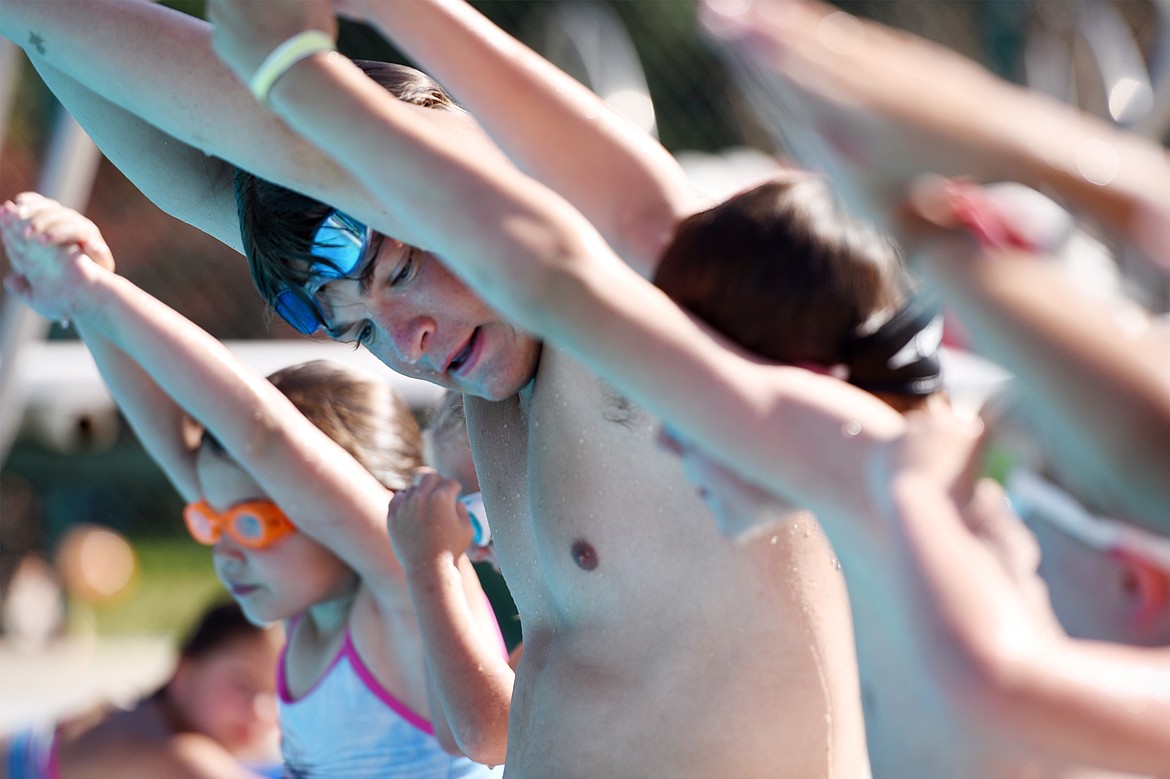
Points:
(411, 339)
(227, 550)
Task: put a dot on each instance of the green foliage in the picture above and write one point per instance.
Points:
(175, 583)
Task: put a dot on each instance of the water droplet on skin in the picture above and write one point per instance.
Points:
(775, 539)
(851, 428)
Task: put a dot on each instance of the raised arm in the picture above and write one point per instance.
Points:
(551, 126)
(1013, 679)
(325, 492)
(1104, 389)
(156, 65)
(540, 263)
(181, 180)
(155, 418)
(886, 106)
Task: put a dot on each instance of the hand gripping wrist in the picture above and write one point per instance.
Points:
(304, 44)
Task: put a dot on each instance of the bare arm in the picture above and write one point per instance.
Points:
(156, 64)
(325, 491)
(1010, 677)
(178, 178)
(555, 129)
(538, 261)
(1104, 389)
(465, 654)
(155, 418)
(888, 105)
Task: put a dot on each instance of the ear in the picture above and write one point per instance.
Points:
(1146, 585)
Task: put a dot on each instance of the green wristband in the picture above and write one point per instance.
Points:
(305, 43)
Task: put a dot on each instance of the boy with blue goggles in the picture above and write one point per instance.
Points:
(342, 243)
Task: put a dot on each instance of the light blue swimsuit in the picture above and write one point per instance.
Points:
(347, 726)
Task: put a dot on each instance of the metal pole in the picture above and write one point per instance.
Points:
(70, 168)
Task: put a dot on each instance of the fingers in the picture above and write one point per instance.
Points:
(31, 217)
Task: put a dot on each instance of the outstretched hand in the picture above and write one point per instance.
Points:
(55, 253)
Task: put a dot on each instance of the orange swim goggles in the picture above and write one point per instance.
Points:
(256, 524)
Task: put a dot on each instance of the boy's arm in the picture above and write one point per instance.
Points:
(466, 659)
(299, 467)
(156, 64)
(535, 259)
(551, 126)
(181, 180)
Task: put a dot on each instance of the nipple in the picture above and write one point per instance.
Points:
(584, 555)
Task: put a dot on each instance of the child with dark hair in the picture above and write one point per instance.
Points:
(290, 487)
(214, 718)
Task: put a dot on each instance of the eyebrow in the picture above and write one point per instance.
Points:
(366, 278)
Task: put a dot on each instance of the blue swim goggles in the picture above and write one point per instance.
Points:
(343, 243)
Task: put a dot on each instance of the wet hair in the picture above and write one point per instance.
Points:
(277, 224)
(364, 414)
(220, 625)
(782, 270)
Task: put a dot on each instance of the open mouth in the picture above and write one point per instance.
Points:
(463, 356)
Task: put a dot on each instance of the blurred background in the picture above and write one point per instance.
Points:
(92, 548)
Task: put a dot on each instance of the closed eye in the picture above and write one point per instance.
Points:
(364, 335)
(407, 267)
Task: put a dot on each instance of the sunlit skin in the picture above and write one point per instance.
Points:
(416, 317)
(739, 506)
(288, 578)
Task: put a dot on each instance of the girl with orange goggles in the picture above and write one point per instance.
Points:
(256, 524)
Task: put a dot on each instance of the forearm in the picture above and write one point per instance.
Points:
(442, 183)
(158, 65)
(891, 105)
(157, 420)
(1100, 704)
(469, 671)
(1076, 361)
(195, 370)
(324, 491)
(554, 128)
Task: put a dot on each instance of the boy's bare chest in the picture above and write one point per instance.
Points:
(574, 485)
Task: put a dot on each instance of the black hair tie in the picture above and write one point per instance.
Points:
(901, 355)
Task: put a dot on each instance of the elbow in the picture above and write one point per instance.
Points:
(485, 745)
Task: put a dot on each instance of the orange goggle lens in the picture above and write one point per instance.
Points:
(256, 524)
